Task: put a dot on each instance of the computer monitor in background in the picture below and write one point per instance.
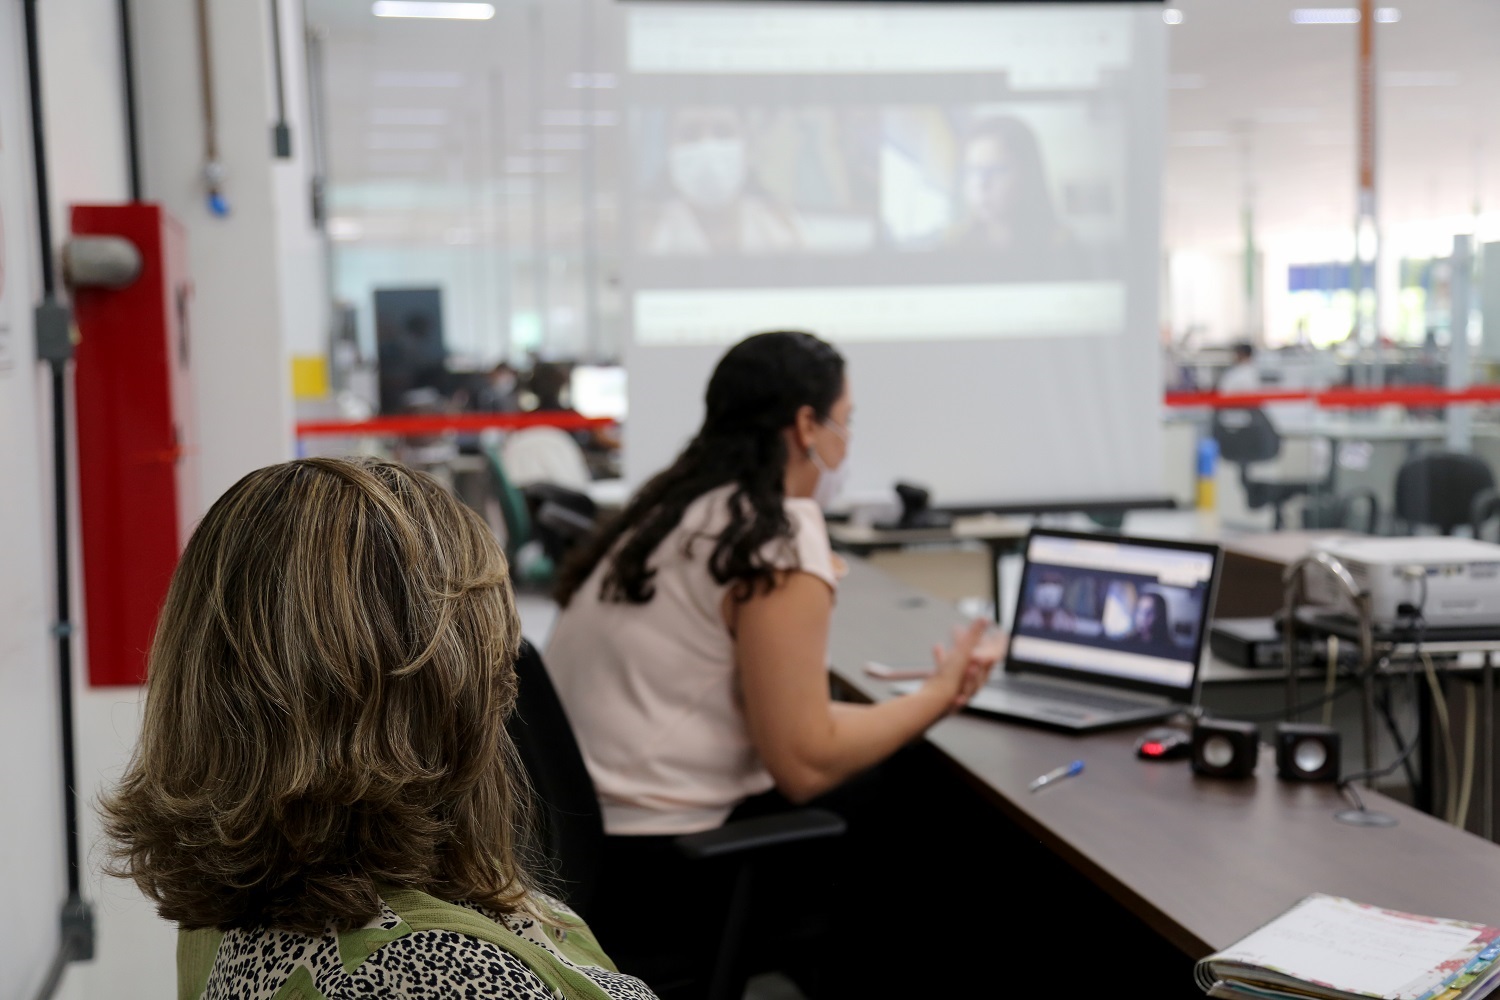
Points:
(598, 391)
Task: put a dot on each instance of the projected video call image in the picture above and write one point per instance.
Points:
(1033, 181)
(953, 172)
(1116, 611)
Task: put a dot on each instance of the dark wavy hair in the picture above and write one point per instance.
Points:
(329, 685)
(752, 398)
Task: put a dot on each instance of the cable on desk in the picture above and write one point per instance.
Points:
(1445, 731)
(1346, 784)
(1332, 656)
(1471, 726)
(1383, 702)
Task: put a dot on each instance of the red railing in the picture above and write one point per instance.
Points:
(439, 423)
(1346, 399)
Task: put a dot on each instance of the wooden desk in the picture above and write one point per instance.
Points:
(1200, 862)
(1000, 534)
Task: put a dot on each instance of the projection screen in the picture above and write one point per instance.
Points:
(963, 197)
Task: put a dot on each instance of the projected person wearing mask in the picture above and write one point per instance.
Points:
(1046, 609)
(1003, 187)
(714, 205)
(691, 649)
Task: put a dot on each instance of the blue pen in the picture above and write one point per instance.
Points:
(1066, 771)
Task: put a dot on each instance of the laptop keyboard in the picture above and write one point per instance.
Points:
(1074, 696)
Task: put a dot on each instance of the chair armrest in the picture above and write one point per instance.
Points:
(1485, 505)
(762, 832)
(1352, 497)
(564, 521)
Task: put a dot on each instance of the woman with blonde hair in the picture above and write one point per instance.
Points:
(324, 797)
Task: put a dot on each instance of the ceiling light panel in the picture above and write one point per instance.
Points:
(1341, 15)
(430, 117)
(1325, 15)
(577, 118)
(404, 140)
(397, 163)
(440, 11)
(1419, 78)
(418, 79)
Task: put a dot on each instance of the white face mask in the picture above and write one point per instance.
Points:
(1049, 595)
(708, 172)
(831, 482)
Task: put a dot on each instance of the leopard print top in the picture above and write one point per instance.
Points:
(261, 963)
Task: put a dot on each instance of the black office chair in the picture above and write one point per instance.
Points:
(1247, 437)
(1439, 489)
(709, 953)
(561, 517)
(1357, 510)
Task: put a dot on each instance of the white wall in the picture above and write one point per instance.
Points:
(258, 285)
(1206, 291)
(87, 161)
(303, 274)
(241, 367)
(31, 853)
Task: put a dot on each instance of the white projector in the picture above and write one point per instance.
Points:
(1455, 582)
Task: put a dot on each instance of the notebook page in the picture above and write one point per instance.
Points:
(1358, 949)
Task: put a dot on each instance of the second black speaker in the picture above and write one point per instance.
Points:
(1306, 751)
(1225, 748)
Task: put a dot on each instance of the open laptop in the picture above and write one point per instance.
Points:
(1108, 631)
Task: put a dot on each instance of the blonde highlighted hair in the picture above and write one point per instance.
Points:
(328, 690)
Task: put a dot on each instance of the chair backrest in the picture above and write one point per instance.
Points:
(570, 826)
(545, 455)
(1438, 488)
(1245, 436)
(513, 509)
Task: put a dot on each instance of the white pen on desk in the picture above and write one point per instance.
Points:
(1066, 771)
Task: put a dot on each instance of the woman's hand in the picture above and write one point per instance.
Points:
(963, 668)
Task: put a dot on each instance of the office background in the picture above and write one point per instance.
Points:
(478, 159)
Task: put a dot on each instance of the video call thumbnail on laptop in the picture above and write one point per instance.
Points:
(1108, 630)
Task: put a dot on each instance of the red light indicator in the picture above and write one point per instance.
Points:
(1154, 749)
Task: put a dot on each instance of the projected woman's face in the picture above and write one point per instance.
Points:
(989, 179)
(707, 161)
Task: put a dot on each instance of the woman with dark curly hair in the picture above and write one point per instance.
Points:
(691, 651)
(324, 797)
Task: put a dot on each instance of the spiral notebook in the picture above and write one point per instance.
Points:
(1335, 948)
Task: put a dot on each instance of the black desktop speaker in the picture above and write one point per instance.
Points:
(1306, 751)
(1224, 748)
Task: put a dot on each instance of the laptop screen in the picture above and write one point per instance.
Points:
(1124, 611)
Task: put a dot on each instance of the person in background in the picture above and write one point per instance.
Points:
(499, 391)
(549, 385)
(324, 797)
(691, 649)
(1242, 376)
